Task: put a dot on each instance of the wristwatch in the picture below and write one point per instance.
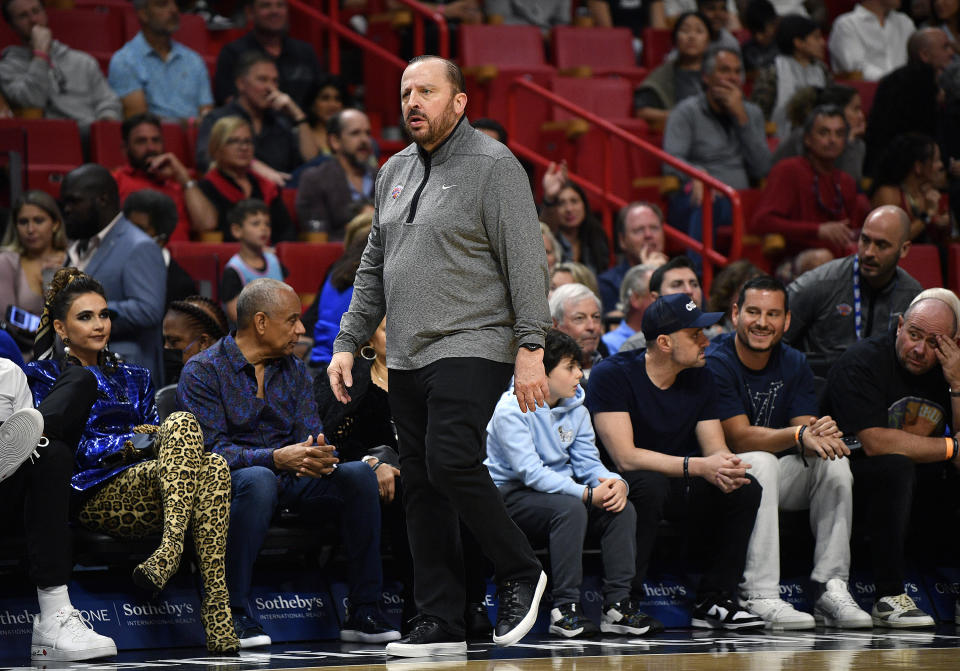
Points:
(532, 346)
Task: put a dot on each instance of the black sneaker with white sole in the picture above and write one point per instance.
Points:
(720, 612)
(626, 618)
(519, 602)
(567, 620)
(427, 638)
(366, 624)
(249, 631)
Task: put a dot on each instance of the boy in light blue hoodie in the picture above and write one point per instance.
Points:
(556, 489)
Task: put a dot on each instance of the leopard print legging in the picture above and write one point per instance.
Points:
(183, 486)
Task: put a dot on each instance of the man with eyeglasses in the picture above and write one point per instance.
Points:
(282, 140)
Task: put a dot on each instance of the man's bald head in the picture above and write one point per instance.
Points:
(891, 216)
(930, 46)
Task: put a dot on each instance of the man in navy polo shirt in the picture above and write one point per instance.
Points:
(653, 409)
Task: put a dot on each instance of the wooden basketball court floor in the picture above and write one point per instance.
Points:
(679, 650)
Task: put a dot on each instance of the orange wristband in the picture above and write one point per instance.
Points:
(949, 448)
(796, 435)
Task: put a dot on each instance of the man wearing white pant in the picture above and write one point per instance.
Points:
(768, 409)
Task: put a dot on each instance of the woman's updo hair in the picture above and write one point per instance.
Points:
(67, 284)
(204, 315)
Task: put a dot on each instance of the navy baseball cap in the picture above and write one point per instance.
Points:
(672, 313)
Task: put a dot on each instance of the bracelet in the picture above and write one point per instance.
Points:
(589, 496)
(950, 447)
(549, 203)
(301, 120)
(796, 435)
(803, 427)
(377, 465)
(954, 393)
(686, 467)
(956, 447)
(189, 184)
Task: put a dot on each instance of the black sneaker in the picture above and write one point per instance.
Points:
(625, 617)
(249, 631)
(719, 612)
(519, 602)
(367, 625)
(427, 638)
(568, 620)
(477, 621)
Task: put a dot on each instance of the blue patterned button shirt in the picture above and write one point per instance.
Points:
(220, 388)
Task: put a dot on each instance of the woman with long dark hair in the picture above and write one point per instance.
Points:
(133, 476)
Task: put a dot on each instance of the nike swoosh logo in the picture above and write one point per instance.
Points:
(445, 187)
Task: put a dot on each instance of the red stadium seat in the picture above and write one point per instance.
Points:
(202, 267)
(605, 51)
(106, 144)
(53, 149)
(219, 251)
(492, 57)
(95, 30)
(923, 264)
(657, 43)
(308, 263)
(953, 257)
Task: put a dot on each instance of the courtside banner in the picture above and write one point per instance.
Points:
(943, 586)
(797, 592)
(669, 599)
(293, 606)
(114, 608)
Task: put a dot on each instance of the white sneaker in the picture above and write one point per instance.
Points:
(778, 614)
(836, 607)
(899, 612)
(67, 638)
(19, 436)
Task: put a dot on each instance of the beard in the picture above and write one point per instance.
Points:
(140, 164)
(436, 129)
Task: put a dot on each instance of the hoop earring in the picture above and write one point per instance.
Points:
(368, 353)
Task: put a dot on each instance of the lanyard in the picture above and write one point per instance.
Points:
(857, 316)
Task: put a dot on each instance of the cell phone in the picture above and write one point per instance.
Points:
(23, 319)
(852, 442)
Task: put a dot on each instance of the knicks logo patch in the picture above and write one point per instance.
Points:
(844, 310)
(396, 191)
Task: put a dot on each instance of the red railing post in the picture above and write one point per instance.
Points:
(706, 232)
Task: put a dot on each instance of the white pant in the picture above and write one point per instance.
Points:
(826, 488)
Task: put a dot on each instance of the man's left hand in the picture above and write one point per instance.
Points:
(530, 380)
(611, 495)
(948, 352)
(168, 165)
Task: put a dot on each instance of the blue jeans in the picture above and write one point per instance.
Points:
(350, 492)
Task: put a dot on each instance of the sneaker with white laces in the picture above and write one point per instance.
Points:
(719, 612)
(899, 612)
(68, 638)
(19, 436)
(836, 607)
(778, 614)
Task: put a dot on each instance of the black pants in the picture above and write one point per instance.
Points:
(441, 412)
(723, 522)
(896, 500)
(42, 488)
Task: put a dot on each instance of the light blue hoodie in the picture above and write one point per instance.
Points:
(550, 450)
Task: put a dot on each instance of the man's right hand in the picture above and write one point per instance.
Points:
(341, 377)
(41, 38)
(168, 165)
(722, 470)
(837, 234)
(307, 459)
(554, 179)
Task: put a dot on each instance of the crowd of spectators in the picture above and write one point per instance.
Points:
(657, 407)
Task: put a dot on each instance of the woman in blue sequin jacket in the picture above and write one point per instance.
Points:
(134, 478)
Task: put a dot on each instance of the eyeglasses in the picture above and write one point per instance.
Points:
(239, 142)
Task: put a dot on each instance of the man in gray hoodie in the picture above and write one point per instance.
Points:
(45, 73)
(456, 263)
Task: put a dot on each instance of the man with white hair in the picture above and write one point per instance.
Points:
(897, 392)
(635, 296)
(575, 310)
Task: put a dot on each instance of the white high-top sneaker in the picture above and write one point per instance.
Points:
(67, 638)
(19, 436)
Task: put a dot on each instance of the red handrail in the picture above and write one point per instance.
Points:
(710, 256)
(443, 32)
(338, 30)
